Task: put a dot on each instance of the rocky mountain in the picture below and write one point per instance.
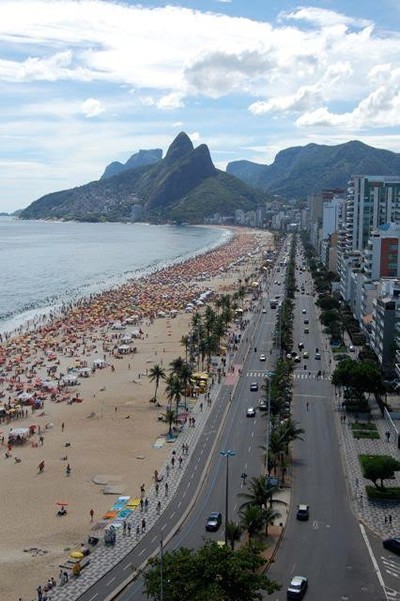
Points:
(303, 170)
(139, 159)
(183, 186)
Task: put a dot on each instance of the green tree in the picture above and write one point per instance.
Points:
(260, 493)
(169, 417)
(174, 390)
(211, 573)
(252, 519)
(234, 532)
(379, 467)
(156, 374)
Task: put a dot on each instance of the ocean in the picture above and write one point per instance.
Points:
(44, 265)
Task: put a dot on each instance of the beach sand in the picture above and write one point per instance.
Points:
(112, 432)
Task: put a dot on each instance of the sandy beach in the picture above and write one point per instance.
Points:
(104, 425)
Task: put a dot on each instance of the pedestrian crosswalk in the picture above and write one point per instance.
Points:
(310, 376)
(257, 374)
(306, 375)
(392, 566)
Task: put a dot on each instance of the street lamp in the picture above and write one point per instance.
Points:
(227, 454)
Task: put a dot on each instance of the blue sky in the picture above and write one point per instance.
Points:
(86, 83)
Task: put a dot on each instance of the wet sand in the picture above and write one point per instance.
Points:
(112, 431)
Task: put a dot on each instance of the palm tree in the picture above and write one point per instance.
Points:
(269, 515)
(233, 532)
(156, 373)
(176, 365)
(252, 520)
(174, 390)
(169, 417)
(260, 494)
(185, 376)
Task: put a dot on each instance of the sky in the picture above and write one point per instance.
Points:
(84, 83)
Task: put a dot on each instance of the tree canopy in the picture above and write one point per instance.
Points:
(211, 573)
(360, 376)
(379, 467)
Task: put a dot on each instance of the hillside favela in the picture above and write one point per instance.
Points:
(199, 301)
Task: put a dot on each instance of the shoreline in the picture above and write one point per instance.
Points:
(114, 431)
(32, 318)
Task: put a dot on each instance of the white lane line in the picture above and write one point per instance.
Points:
(128, 565)
(374, 562)
(141, 552)
(163, 527)
(179, 504)
(94, 597)
(154, 538)
(172, 515)
(110, 581)
(252, 434)
(249, 449)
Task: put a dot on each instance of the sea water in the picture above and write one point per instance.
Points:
(44, 265)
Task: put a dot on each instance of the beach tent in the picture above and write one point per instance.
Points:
(99, 363)
(124, 348)
(84, 372)
(18, 435)
(135, 333)
(70, 379)
(125, 339)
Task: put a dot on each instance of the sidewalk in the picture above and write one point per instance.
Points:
(373, 514)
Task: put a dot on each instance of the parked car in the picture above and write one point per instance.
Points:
(250, 412)
(214, 521)
(254, 386)
(297, 587)
(306, 355)
(392, 544)
(303, 512)
(263, 357)
(317, 356)
(262, 405)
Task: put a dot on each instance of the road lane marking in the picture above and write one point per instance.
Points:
(374, 562)
(172, 515)
(110, 581)
(94, 597)
(128, 565)
(141, 552)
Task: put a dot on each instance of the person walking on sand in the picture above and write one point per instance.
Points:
(41, 467)
(68, 470)
(91, 512)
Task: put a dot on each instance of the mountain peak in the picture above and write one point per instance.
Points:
(181, 146)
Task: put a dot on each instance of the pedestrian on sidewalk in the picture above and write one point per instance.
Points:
(390, 519)
(159, 507)
(146, 504)
(143, 525)
(129, 529)
(387, 434)
(166, 489)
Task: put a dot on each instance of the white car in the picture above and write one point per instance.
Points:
(250, 412)
(304, 311)
(263, 357)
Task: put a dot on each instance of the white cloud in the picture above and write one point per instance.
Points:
(380, 108)
(92, 107)
(170, 102)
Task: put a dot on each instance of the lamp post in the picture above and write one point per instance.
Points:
(227, 454)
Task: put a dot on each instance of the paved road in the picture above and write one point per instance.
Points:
(328, 549)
